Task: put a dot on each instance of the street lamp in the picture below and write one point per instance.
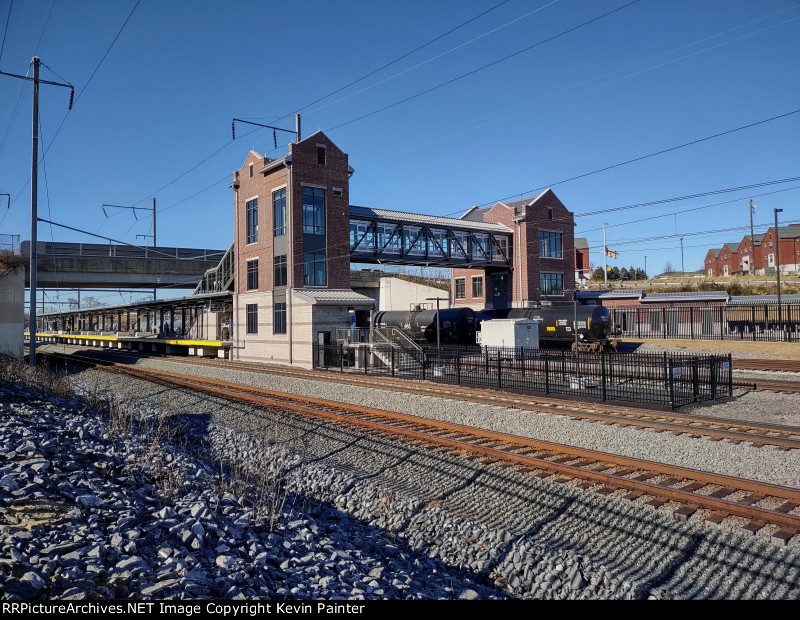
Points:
(438, 326)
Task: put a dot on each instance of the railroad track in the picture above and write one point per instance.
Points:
(763, 364)
(715, 428)
(723, 496)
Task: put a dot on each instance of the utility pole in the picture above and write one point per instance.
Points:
(752, 260)
(34, 190)
(605, 256)
(34, 211)
(645, 267)
(683, 271)
(778, 263)
(154, 235)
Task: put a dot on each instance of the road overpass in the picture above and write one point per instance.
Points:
(95, 265)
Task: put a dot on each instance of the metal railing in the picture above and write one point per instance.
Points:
(219, 278)
(757, 322)
(663, 380)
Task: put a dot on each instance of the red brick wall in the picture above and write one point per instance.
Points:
(303, 169)
(334, 173)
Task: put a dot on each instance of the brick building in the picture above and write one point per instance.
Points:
(543, 256)
(295, 234)
(757, 255)
(292, 255)
(583, 269)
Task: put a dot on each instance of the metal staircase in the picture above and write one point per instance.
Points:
(220, 278)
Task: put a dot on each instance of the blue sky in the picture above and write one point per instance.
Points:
(648, 77)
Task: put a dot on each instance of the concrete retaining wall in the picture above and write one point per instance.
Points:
(12, 316)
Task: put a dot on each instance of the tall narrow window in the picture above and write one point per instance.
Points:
(460, 288)
(551, 283)
(550, 244)
(321, 155)
(279, 318)
(279, 211)
(314, 210)
(252, 318)
(280, 270)
(252, 220)
(477, 287)
(314, 269)
(252, 275)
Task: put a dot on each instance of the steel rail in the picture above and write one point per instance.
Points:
(716, 428)
(487, 443)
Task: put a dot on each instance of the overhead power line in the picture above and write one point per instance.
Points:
(481, 68)
(80, 92)
(635, 159)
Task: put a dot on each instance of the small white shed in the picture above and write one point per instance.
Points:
(509, 333)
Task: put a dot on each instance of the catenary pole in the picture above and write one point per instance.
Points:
(34, 211)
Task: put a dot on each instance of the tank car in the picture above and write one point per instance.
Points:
(595, 330)
(457, 325)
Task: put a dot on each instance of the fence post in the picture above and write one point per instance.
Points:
(671, 385)
(499, 368)
(486, 361)
(458, 367)
(423, 365)
(392, 350)
(713, 378)
(603, 373)
(366, 360)
(691, 321)
(730, 375)
(695, 378)
(546, 374)
(638, 323)
(341, 357)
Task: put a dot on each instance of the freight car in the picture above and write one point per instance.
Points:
(459, 325)
(556, 320)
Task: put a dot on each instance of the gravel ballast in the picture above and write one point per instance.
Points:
(459, 509)
(766, 464)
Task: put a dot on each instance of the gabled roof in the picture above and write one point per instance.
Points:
(425, 220)
(788, 232)
(733, 247)
(517, 205)
(756, 239)
(715, 252)
(581, 243)
(475, 214)
(333, 297)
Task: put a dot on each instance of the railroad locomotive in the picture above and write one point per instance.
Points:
(459, 325)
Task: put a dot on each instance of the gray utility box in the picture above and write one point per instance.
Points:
(509, 333)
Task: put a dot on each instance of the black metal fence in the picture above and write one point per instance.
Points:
(766, 322)
(664, 380)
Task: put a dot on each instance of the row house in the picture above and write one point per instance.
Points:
(543, 256)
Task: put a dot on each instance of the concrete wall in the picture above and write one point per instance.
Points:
(398, 294)
(12, 316)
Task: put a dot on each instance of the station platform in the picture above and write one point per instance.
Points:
(140, 342)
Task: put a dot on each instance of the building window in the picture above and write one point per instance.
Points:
(280, 270)
(551, 283)
(550, 244)
(321, 155)
(279, 318)
(252, 318)
(314, 210)
(550, 213)
(252, 275)
(252, 220)
(251, 169)
(314, 269)
(279, 211)
(477, 287)
(461, 292)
